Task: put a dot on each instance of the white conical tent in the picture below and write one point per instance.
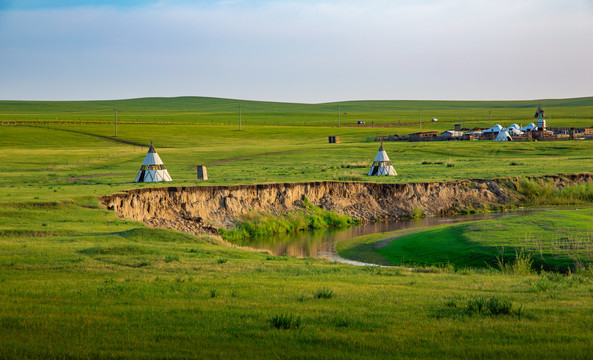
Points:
(381, 165)
(503, 136)
(152, 169)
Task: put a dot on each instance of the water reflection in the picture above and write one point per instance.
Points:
(320, 243)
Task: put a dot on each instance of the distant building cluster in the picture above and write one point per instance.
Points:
(537, 131)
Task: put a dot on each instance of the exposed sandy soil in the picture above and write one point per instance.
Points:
(205, 209)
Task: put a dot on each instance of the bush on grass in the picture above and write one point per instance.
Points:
(286, 321)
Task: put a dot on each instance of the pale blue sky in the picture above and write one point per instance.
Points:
(300, 50)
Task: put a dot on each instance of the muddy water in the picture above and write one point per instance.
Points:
(321, 243)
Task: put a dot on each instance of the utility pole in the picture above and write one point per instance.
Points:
(338, 115)
(115, 109)
(549, 116)
(239, 117)
(489, 112)
(420, 118)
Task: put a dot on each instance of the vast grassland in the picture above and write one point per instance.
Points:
(198, 110)
(78, 282)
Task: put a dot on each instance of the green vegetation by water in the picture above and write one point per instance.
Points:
(543, 192)
(76, 281)
(311, 217)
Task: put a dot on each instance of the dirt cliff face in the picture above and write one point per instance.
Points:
(205, 209)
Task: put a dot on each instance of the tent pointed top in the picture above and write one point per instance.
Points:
(152, 157)
(151, 148)
(381, 155)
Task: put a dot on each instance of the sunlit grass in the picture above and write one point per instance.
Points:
(76, 281)
(558, 240)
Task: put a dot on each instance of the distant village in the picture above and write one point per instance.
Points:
(537, 131)
(153, 169)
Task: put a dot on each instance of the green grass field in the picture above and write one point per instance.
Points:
(201, 110)
(76, 281)
(556, 240)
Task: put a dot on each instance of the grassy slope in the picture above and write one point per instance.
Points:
(76, 281)
(225, 111)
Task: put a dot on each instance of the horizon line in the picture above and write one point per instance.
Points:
(300, 102)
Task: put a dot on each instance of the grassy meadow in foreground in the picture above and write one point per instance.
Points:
(76, 281)
(88, 285)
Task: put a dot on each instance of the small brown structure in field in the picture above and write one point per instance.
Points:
(202, 173)
(452, 135)
(424, 136)
(334, 139)
(574, 132)
(471, 135)
(394, 137)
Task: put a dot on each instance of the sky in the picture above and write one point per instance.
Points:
(297, 50)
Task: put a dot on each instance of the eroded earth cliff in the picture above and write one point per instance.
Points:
(202, 209)
(205, 209)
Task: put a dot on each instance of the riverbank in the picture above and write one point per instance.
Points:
(206, 209)
(492, 243)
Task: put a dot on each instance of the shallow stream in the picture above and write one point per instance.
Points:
(321, 243)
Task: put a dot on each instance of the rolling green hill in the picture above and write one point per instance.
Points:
(224, 111)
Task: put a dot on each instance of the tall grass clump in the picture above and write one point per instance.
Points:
(310, 217)
(417, 213)
(324, 293)
(582, 193)
(541, 192)
(286, 321)
(494, 306)
(521, 265)
(585, 271)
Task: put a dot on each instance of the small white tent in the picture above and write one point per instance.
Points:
(529, 127)
(495, 129)
(381, 165)
(152, 169)
(503, 136)
(514, 131)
